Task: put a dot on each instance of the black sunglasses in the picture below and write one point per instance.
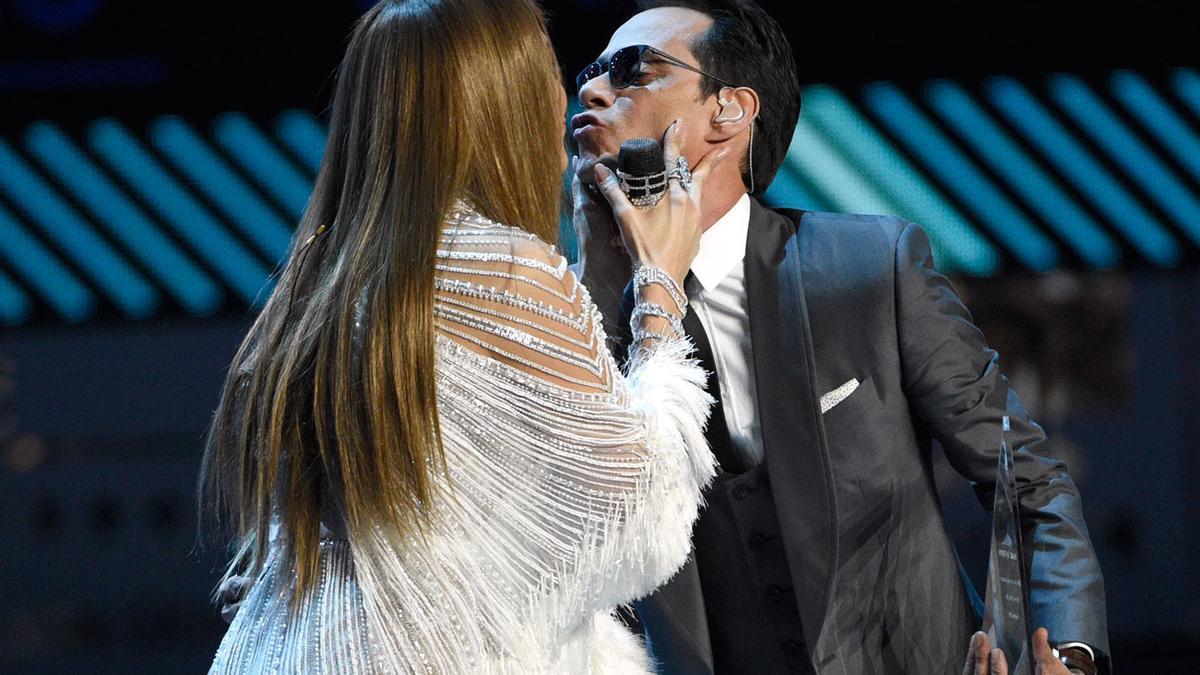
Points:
(622, 67)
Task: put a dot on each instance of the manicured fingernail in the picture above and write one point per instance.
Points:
(721, 153)
(602, 171)
(678, 123)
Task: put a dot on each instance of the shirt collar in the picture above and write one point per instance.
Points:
(723, 245)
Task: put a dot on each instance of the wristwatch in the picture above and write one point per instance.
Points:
(1077, 658)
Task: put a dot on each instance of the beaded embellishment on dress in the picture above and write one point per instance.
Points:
(572, 488)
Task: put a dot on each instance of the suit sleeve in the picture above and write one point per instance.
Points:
(956, 391)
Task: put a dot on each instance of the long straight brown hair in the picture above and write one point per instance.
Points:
(436, 100)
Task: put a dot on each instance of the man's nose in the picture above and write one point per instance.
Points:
(596, 93)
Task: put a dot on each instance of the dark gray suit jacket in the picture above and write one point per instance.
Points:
(880, 589)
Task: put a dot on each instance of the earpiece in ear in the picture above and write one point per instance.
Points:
(734, 115)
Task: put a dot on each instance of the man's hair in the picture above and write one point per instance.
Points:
(747, 47)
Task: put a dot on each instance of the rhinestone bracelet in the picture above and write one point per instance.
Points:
(652, 274)
(652, 309)
(640, 334)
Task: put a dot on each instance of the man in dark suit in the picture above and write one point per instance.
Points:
(838, 353)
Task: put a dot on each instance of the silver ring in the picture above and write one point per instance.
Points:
(681, 172)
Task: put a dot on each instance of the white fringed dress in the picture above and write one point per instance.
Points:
(572, 490)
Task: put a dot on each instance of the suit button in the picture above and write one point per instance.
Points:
(793, 649)
(774, 593)
(741, 492)
(758, 542)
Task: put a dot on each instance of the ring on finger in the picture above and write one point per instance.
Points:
(682, 172)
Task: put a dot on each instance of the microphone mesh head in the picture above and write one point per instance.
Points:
(641, 157)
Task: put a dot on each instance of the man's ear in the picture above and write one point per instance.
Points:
(737, 108)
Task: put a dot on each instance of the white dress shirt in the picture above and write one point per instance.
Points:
(717, 294)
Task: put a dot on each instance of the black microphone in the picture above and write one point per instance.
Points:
(642, 171)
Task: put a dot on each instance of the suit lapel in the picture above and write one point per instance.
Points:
(789, 414)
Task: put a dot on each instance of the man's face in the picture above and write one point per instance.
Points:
(660, 94)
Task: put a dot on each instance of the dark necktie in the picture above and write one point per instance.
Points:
(717, 431)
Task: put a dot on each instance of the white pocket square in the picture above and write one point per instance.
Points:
(838, 395)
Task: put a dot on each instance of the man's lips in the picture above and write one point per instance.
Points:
(584, 123)
(585, 118)
(586, 132)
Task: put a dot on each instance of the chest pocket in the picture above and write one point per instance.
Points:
(848, 408)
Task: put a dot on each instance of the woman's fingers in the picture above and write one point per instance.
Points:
(672, 143)
(672, 151)
(610, 188)
(579, 197)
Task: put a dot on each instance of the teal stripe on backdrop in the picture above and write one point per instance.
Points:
(60, 222)
(189, 284)
(258, 155)
(957, 246)
(998, 170)
(42, 270)
(1004, 220)
(189, 153)
(1036, 186)
(1129, 152)
(190, 220)
(15, 305)
(787, 190)
(301, 133)
(1186, 83)
(1164, 123)
(836, 179)
(1121, 209)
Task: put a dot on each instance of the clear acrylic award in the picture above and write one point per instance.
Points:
(1006, 607)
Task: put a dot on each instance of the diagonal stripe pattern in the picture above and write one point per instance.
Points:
(192, 215)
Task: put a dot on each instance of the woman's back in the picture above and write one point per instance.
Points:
(568, 490)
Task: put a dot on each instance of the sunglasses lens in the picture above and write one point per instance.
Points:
(589, 71)
(623, 69)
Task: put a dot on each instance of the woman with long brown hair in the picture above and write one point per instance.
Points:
(424, 453)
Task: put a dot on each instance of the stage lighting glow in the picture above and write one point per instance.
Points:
(60, 222)
(258, 156)
(1007, 224)
(189, 153)
(1071, 159)
(42, 270)
(1037, 187)
(957, 245)
(187, 282)
(1138, 161)
(189, 219)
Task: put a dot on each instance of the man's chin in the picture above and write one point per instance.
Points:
(587, 166)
